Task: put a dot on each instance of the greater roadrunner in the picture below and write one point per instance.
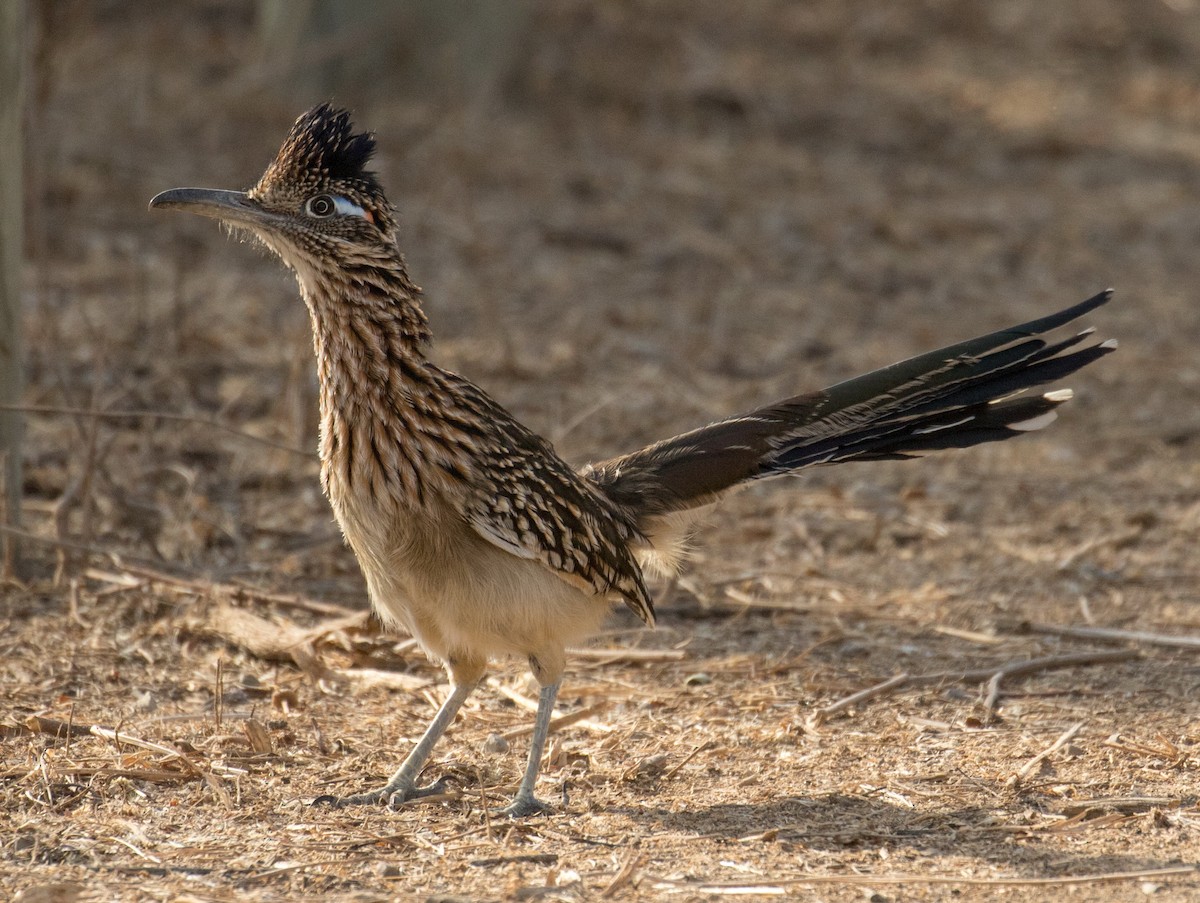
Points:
(473, 534)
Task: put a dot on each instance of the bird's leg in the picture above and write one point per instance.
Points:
(525, 803)
(403, 784)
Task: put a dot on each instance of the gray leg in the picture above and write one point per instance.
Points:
(525, 803)
(403, 784)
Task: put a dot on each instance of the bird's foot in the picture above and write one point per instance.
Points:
(523, 806)
(395, 797)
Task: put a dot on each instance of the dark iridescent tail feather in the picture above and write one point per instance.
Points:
(955, 397)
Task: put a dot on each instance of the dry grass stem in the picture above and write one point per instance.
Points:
(167, 416)
(1116, 634)
(972, 636)
(582, 717)
(56, 728)
(625, 876)
(893, 880)
(625, 656)
(994, 677)
(853, 699)
(201, 586)
(1027, 769)
(117, 737)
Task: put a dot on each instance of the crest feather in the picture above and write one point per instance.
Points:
(335, 148)
(322, 146)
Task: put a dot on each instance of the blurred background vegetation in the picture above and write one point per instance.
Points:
(630, 218)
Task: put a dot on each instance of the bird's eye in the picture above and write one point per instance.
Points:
(322, 205)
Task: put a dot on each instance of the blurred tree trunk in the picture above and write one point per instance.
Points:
(12, 37)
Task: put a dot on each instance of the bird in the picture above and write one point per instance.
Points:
(473, 534)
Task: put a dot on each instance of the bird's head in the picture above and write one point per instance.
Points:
(316, 206)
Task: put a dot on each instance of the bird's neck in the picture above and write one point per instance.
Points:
(369, 332)
(370, 337)
(366, 292)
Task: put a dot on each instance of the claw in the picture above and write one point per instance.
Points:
(395, 796)
(524, 806)
(327, 799)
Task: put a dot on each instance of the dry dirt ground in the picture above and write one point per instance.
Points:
(657, 214)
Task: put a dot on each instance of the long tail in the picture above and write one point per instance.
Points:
(955, 397)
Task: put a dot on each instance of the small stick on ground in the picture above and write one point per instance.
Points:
(900, 880)
(626, 656)
(1029, 666)
(39, 724)
(1113, 539)
(580, 717)
(1116, 635)
(973, 636)
(993, 675)
(204, 587)
(623, 877)
(879, 689)
(97, 414)
(199, 586)
(991, 702)
(1015, 780)
(695, 752)
(112, 736)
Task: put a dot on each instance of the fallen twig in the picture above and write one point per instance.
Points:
(283, 641)
(57, 543)
(198, 585)
(624, 876)
(39, 724)
(271, 640)
(563, 721)
(861, 696)
(973, 636)
(695, 752)
(202, 586)
(581, 717)
(1123, 804)
(150, 775)
(1169, 752)
(1029, 666)
(994, 676)
(1027, 769)
(1116, 635)
(107, 733)
(56, 728)
(991, 702)
(98, 414)
(632, 656)
(742, 887)
(1113, 539)
(533, 858)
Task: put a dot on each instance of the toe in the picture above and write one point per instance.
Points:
(357, 799)
(525, 806)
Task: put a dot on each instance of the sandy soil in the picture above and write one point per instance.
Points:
(659, 213)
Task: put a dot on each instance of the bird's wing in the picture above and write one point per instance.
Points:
(543, 513)
(530, 503)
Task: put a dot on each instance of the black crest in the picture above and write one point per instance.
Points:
(322, 147)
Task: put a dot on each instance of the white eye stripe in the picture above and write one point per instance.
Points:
(348, 208)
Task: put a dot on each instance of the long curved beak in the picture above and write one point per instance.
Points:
(228, 206)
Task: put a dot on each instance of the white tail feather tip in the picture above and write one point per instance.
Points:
(1034, 423)
(1058, 396)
